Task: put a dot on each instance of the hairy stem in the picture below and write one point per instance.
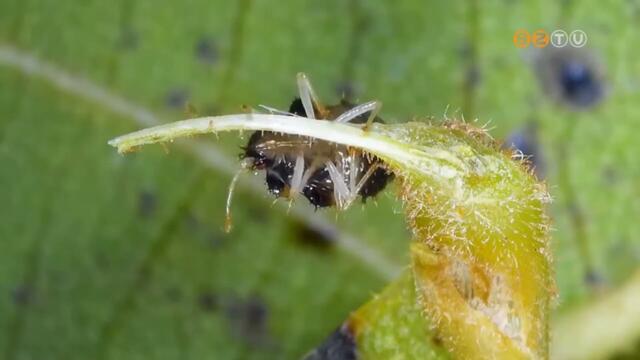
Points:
(372, 141)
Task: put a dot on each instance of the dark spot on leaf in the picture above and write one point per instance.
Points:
(206, 50)
(248, 319)
(340, 345)
(22, 295)
(579, 84)
(525, 141)
(177, 98)
(208, 301)
(147, 204)
(307, 236)
(572, 77)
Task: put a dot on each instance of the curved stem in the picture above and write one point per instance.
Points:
(439, 161)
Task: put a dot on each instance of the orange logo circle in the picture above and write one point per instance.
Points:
(540, 38)
(521, 38)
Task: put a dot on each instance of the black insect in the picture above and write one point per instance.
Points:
(327, 174)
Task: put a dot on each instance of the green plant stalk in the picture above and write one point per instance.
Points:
(480, 256)
(391, 325)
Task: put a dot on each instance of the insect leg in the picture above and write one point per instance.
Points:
(373, 115)
(354, 167)
(315, 164)
(340, 190)
(298, 174)
(366, 177)
(349, 115)
(307, 95)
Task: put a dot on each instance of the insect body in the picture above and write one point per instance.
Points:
(327, 174)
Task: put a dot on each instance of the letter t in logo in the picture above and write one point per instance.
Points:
(559, 38)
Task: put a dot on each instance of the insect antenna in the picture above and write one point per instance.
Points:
(366, 177)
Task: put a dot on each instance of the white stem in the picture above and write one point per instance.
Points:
(443, 164)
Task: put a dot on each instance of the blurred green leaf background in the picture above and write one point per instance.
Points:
(111, 257)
